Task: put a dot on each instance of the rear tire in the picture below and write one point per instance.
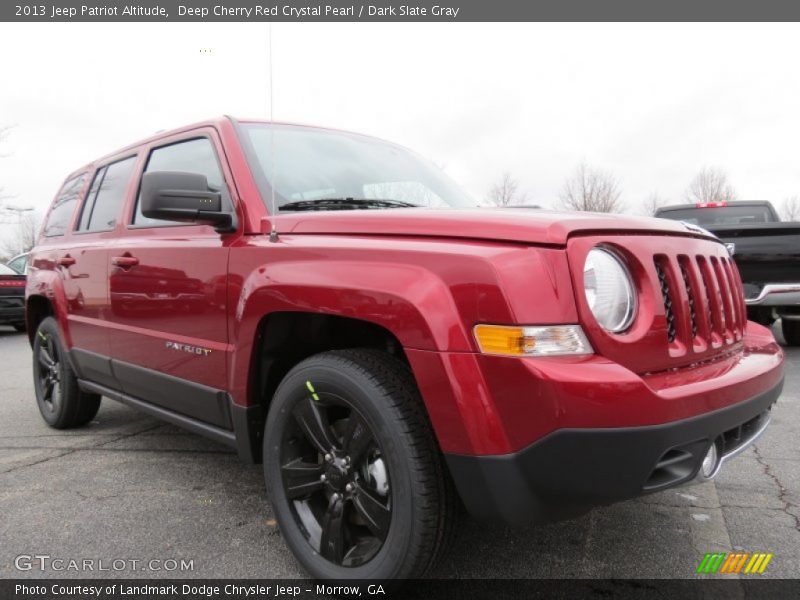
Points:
(791, 332)
(61, 402)
(377, 456)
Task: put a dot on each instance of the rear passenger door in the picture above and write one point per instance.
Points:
(167, 288)
(84, 265)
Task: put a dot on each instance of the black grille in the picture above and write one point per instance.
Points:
(733, 439)
(690, 294)
(670, 315)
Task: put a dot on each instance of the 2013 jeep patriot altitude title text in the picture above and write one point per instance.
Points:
(383, 345)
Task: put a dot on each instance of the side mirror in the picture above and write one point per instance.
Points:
(180, 196)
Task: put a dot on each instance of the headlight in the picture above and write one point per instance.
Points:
(609, 290)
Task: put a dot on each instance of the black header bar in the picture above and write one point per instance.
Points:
(399, 11)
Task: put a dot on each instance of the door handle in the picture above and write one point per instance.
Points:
(125, 262)
(66, 261)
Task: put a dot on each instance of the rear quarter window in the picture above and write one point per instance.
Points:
(106, 196)
(719, 215)
(63, 207)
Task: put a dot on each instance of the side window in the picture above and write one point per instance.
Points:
(106, 196)
(63, 207)
(88, 204)
(192, 156)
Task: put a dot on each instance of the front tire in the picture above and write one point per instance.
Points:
(354, 473)
(19, 327)
(791, 332)
(61, 402)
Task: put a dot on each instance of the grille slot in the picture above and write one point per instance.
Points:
(690, 294)
(713, 311)
(724, 298)
(665, 293)
(737, 293)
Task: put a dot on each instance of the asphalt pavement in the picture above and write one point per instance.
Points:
(130, 488)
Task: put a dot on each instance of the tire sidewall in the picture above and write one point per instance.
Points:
(791, 332)
(371, 402)
(49, 327)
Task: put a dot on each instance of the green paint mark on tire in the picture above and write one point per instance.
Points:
(312, 390)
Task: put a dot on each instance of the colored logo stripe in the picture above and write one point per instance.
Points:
(711, 562)
(758, 563)
(721, 562)
(734, 563)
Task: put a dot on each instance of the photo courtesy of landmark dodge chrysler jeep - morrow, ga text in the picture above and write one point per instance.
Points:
(386, 348)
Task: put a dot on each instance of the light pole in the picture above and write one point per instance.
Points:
(18, 210)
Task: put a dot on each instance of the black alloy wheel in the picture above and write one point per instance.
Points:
(61, 401)
(47, 373)
(357, 481)
(336, 479)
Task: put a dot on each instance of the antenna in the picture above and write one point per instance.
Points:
(273, 234)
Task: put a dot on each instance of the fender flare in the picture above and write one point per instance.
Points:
(416, 307)
(48, 285)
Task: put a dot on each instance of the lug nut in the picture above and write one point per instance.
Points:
(349, 487)
(322, 477)
(328, 457)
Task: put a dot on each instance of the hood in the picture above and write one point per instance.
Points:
(498, 224)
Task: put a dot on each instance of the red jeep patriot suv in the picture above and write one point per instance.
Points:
(330, 304)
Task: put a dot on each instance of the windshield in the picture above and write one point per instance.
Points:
(4, 270)
(318, 166)
(720, 215)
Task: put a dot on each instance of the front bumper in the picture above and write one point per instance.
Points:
(776, 294)
(12, 310)
(569, 471)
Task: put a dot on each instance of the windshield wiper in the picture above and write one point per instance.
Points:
(345, 204)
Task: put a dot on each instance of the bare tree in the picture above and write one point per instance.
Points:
(791, 208)
(653, 202)
(591, 190)
(710, 185)
(506, 191)
(23, 236)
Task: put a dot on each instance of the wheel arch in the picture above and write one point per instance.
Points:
(37, 309)
(46, 297)
(283, 339)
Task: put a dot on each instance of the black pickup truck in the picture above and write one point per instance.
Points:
(766, 250)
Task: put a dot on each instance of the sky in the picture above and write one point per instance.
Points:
(651, 104)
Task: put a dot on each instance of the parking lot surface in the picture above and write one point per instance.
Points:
(128, 487)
